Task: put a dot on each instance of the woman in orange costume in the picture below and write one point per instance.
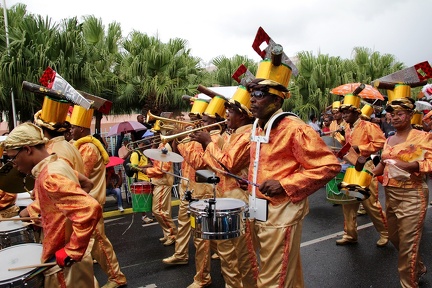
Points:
(406, 190)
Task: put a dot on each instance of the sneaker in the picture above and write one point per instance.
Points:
(169, 241)
(172, 260)
(146, 220)
(121, 209)
(111, 284)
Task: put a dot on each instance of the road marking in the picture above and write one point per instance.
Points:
(324, 238)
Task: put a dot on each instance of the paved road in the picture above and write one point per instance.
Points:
(324, 264)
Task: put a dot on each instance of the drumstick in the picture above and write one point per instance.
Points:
(20, 219)
(49, 264)
(235, 177)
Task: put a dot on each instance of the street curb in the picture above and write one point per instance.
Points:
(126, 211)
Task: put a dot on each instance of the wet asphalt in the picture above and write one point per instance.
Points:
(363, 265)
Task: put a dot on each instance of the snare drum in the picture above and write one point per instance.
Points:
(17, 256)
(356, 183)
(224, 221)
(141, 193)
(15, 232)
(336, 196)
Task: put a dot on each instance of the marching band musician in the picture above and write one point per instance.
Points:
(68, 213)
(291, 166)
(95, 158)
(237, 264)
(366, 139)
(139, 161)
(406, 157)
(200, 190)
(338, 124)
(192, 153)
(161, 205)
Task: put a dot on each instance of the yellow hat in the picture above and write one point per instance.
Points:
(277, 77)
(417, 118)
(336, 105)
(199, 106)
(81, 117)
(351, 102)
(405, 103)
(240, 101)
(216, 106)
(53, 114)
(367, 111)
(399, 91)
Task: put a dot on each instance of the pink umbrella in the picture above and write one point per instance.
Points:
(114, 161)
(125, 127)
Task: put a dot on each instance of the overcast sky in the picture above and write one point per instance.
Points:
(214, 28)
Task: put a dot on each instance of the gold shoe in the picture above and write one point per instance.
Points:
(345, 241)
(169, 242)
(163, 239)
(215, 256)
(172, 260)
(382, 241)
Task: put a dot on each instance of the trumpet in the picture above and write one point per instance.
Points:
(171, 123)
(169, 138)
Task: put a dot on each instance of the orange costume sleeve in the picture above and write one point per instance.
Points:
(6, 199)
(368, 137)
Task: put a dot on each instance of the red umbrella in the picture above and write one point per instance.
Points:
(369, 92)
(114, 161)
(125, 127)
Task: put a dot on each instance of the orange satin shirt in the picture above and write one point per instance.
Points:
(69, 215)
(416, 142)
(297, 157)
(367, 136)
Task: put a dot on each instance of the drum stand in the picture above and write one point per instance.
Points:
(207, 176)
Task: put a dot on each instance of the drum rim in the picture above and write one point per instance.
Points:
(23, 276)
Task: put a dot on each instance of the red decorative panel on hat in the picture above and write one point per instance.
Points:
(260, 38)
(424, 70)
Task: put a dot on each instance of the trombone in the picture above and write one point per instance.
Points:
(131, 145)
(169, 138)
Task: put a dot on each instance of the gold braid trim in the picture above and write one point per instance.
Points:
(96, 142)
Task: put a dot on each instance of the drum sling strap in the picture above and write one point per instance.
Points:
(260, 213)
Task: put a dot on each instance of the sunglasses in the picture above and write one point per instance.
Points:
(258, 94)
(12, 160)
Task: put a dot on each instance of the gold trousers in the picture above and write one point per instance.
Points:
(183, 232)
(406, 213)
(161, 209)
(202, 261)
(373, 208)
(79, 274)
(279, 250)
(103, 252)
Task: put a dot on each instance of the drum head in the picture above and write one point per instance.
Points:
(332, 143)
(7, 226)
(222, 205)
(16, 256)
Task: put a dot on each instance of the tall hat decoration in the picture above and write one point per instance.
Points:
(81, 117)
(276, 68)
(199, 105)
(241, 98)
(53, 114)
(352, 101)
(367, 111)
(216, 105)
(336, 105)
